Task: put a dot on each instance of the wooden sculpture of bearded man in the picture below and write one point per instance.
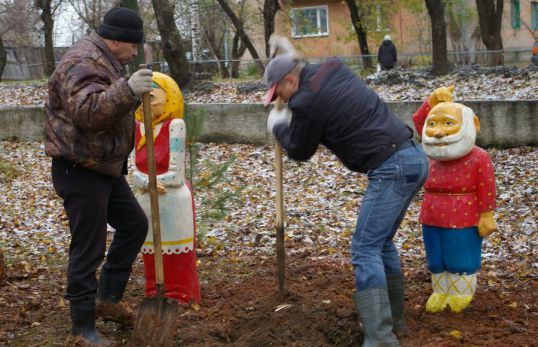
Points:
(459, 199)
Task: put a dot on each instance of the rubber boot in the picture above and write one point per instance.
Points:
(374, 309)
(108, 306)
(83, 332)
(395, 288)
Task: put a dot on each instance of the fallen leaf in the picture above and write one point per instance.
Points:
(455, 334)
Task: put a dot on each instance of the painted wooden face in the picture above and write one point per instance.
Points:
(165, 98)
(450, 131)
(158, 101)
(444, 120)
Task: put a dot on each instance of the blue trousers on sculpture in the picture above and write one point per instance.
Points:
(457, 251)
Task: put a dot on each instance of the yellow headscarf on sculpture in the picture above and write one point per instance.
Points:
(173, 105)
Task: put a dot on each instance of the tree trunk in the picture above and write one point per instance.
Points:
(3, 57)
(270, 8)
(361, 33)
(173, 51)
(490, 14)
(215, 50)
(436, 10)
(48, 25)
(244, 37)
(196, 37)
(238, 49)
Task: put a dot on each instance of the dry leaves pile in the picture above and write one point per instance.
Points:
(472, 83)
(321, 203)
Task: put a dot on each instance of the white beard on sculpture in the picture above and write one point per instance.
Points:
(453, 146)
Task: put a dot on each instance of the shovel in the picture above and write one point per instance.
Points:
(280, 45)
(280, 250)
(155, 323)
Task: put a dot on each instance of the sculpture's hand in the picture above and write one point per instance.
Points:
(443, 94)
(161, 189)
(486, 224)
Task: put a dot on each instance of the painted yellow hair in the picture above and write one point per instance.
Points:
(173, 107)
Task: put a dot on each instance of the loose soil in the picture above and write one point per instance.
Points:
(240, 307)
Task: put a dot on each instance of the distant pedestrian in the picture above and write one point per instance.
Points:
(387, 55)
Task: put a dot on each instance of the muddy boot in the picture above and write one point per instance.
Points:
(83, 332)
(395, 288)
(108, 305)
(374, 309)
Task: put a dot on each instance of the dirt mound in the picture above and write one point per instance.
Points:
(320, 311)
(314, 313)
(240, 308)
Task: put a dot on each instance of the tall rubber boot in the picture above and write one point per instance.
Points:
(109, 307)
(83, 325)
(374, 309)
(395, 289)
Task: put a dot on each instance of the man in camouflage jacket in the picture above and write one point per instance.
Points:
(89, 134)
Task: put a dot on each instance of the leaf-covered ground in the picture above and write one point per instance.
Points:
(236, 258)
(472, 83)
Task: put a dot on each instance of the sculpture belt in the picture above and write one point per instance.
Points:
(452, 194)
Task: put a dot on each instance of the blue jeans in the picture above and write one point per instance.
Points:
(391, 188)
(457, 251)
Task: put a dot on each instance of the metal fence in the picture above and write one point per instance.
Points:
(27, 63)
(247, 67)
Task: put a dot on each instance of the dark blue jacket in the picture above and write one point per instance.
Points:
(335, 108)
(387, 55)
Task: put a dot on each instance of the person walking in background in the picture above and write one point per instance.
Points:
(387, 55)
(89, 133)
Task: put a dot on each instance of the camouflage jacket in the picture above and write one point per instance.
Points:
(89, 110)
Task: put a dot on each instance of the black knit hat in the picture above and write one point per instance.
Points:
(122, 24)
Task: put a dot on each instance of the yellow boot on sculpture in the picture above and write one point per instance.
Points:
(437, 301)
(460, 291)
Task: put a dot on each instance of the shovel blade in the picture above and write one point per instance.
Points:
(155, 323)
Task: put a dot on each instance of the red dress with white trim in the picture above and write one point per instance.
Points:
(177, 213)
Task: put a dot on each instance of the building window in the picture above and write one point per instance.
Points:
(534, 13)
(309, 21)
(516, 15)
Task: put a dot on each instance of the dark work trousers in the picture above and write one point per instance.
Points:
(91, 200)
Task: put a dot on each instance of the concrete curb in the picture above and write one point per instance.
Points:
(504, 123)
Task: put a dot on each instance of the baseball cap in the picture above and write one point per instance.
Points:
(277, 68)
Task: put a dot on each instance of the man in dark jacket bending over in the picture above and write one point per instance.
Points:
(329, 105)
(89, 133)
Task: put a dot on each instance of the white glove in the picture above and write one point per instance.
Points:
(141, 82)
(278, 117)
